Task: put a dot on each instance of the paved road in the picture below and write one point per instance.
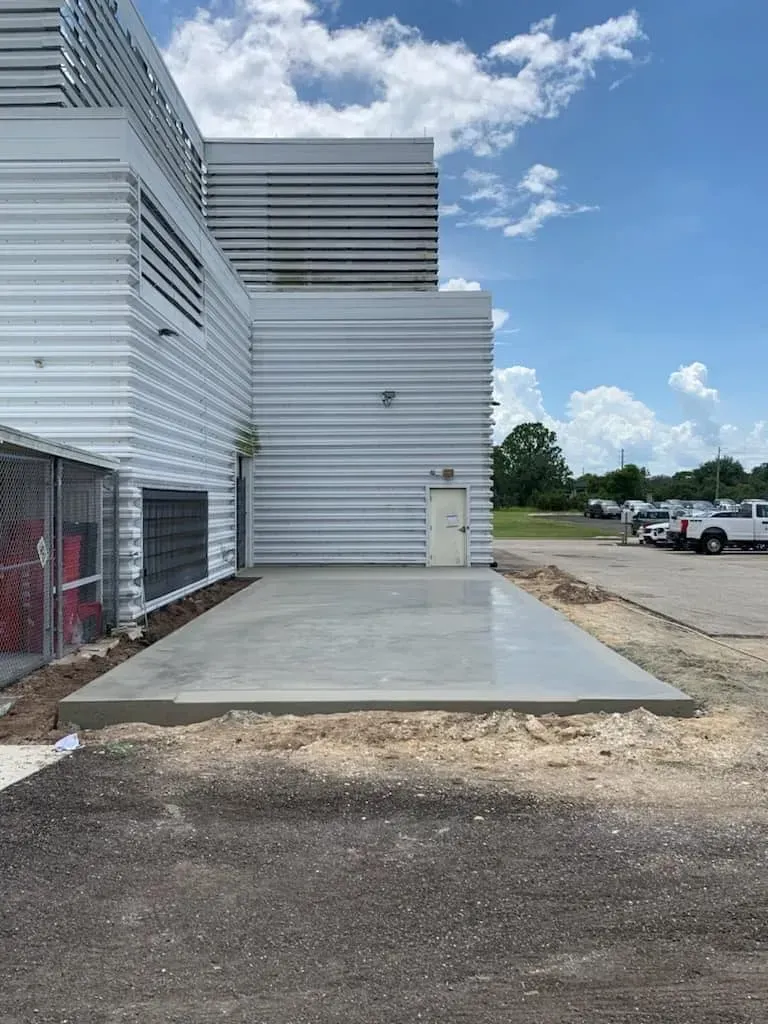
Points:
(145, 896)
(722, 596)
(609, 525)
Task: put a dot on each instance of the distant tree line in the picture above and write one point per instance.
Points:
(529, 469)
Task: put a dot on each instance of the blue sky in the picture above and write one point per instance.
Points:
(650, 255)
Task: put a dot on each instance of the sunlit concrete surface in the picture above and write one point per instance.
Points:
(318, 640)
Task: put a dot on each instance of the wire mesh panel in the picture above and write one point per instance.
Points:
(26, 492)
(81, 544)
(110, 541)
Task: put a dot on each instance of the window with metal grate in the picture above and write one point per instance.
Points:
(168, 264)
(175, 540)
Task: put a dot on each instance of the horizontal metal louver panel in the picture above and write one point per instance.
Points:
(349, 216)
(168, 263)
(78, 53)
(341, 478)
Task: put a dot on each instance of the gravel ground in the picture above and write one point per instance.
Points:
(722, 596)
(137, 891)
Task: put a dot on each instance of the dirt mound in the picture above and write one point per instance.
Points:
(551, 582)
(576, 592)
(499, 739)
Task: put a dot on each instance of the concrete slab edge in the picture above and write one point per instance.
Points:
(98, 714)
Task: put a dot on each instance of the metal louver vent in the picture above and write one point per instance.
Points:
(89, 53)
(326, 214)
(168, 264)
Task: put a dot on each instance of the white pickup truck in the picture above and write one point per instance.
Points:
(747, 528)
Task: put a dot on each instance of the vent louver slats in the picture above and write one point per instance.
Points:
(77, 53)
(168, 264)
(326, 214)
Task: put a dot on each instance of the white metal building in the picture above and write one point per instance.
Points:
(252, 329)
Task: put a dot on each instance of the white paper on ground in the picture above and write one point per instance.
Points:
(70, 742)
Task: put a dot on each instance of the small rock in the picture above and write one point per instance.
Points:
(535, 728)
(5, 707)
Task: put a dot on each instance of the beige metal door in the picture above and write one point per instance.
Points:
(447, 540)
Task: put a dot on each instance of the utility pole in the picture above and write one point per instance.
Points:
(717, 475)
(622, 458)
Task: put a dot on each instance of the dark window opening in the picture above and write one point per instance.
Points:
(175, 540)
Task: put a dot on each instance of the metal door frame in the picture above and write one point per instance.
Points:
(448, 485)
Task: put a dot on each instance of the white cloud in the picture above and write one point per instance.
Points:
(500, 317)
(488, 187)
(537, 215)
(539, 180)
(267, 68)
(539, 186)
(450, 210)
(460, 284)
(699, 402)
(600, 422)
(545, 25)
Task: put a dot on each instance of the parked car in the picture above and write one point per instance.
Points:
(727, 505)
(654, 534)
(635, 506)
(593, 508)
(748, 528)
(610, 510)
(644, 516)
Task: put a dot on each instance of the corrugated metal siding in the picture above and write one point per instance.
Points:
(67, 269)
(191, 400)
(341, 478)
(91, 53)
(326, 214)
(82, 359)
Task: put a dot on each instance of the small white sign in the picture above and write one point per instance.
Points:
(451, 519)
(42, 552)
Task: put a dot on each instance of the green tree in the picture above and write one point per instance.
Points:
(503, 495)
(732, 478)
(629, 482)
(529, 461)
(757, 486)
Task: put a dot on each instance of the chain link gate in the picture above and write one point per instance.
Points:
(26, 592)
(58, 553)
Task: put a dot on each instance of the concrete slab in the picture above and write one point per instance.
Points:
(317, 640)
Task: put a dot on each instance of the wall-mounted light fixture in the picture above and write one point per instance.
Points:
(167, 332)
(387, 398)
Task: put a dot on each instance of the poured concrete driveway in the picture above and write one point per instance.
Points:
(321, 640)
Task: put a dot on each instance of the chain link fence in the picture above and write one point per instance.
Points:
(26, 529)
(58, 551)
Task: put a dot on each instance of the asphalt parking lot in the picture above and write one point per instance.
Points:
(721, 596)
(135, 893)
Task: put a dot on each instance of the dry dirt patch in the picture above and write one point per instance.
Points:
(33, 716)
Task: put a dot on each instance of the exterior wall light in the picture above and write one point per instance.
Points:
(387, 398)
